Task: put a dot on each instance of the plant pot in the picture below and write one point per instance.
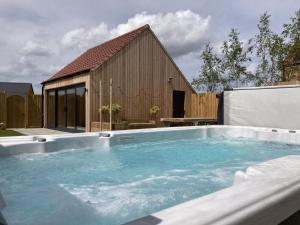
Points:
(120, 126)
(152, 121)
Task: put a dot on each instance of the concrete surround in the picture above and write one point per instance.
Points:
(264, 194)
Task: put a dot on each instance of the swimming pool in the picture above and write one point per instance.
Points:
(132, 176)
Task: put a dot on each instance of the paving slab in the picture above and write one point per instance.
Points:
(38, 131)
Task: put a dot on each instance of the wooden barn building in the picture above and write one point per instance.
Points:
(143, 74)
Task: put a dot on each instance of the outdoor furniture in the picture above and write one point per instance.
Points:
(188, 121)
(140, 125)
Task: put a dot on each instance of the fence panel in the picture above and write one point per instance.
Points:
(2, 108)
(205, 105)
(18, 111)
(15, 109)
(35, 118)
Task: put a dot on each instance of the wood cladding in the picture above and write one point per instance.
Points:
(143, 75)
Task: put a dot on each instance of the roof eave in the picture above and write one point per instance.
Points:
(65, 77)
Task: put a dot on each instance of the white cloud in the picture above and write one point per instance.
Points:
(32, 48)
(83, 38)
(181, 32)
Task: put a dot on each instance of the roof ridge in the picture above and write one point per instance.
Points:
(122, 35)
(97, 55)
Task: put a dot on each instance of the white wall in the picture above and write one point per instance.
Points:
(263, 107)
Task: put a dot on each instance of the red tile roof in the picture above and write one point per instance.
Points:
(96, 56)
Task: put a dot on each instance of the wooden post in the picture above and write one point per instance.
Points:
(26, 111)
(5, 109)
(110, 104)
(100, 96)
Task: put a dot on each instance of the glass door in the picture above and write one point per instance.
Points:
(71, 108)
(61, 108)
(66, 108)
(80, 108)
(51, 109)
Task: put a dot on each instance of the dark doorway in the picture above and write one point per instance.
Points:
(178, 104)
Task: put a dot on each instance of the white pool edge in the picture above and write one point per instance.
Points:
(265, 198)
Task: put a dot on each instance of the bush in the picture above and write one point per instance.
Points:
(2, 126)
(116, 108)
(154, 110)
(104, 109)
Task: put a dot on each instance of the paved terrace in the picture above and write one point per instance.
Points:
(38, 131)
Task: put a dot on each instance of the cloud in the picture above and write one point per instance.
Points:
(35, 49)
(181, 32)
(82, 38)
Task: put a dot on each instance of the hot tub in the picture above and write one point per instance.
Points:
(186, 175)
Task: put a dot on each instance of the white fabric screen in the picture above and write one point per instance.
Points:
(277, 107)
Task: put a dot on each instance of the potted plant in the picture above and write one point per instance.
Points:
(154, 110)
(2, 126)
(104, 109)
(116, 109)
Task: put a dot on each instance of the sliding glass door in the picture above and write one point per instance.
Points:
(70, 108)
(61, 108)
(51, 109)
(80, 107)
(66, 108)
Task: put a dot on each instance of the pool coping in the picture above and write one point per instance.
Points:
(274, 184)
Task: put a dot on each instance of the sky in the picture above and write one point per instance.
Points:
(39, 37)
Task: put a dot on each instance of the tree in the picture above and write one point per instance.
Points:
(235, 58)
(209, 77)
(270, 52)
(292, 30)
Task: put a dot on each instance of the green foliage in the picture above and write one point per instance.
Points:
(2, 126)
(7, 133)
(209, 78)
(292, 29)
(104, 109)
(230, 68)
(234, 61)
(116, 108)
(154, 110)
(270, 52)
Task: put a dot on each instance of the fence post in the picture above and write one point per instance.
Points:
(110, 104)
(26, 111)
(5, 109)
(100, 96)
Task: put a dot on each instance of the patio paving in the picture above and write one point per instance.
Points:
(38, 131)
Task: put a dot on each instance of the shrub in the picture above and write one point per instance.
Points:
(2, 126)
(104, 109)
(116, 108)
(154, 110)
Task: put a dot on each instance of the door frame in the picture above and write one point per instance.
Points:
(65, 88)
(173, 103)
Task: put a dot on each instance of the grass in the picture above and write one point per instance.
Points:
(7, 133)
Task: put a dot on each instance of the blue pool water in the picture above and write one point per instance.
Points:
(116, 185)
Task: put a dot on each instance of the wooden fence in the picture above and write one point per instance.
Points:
(18, 111)
(205, 105)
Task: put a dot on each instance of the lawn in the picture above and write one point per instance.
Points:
(6, 133)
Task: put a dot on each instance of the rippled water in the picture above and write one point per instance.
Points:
(125, 182)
